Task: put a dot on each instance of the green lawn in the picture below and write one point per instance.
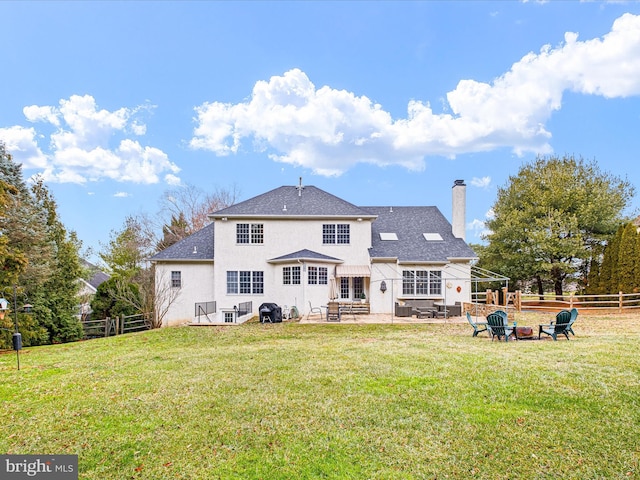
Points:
(332, 401)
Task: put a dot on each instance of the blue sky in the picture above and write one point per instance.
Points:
(380, 103)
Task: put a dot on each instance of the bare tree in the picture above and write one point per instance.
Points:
(165, 296)
(194, 205)
(153, 295)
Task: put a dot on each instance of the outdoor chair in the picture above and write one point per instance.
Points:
(498, 326)
(560, 325)
(333, 312)
(574, 317)
(347, 308)
(476, 325)
(313, 310)
(503, 314)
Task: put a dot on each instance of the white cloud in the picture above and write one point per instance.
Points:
(490, 215)
(483, 182)
(121, 194)
(477, 227)
(88, 144)
(34, 113)
(329, 130)
(21, 143)
(173, 180)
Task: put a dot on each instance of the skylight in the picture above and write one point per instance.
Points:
(432, 237)
(388, 236)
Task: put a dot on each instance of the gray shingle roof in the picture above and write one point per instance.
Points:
(97, 276)
(310, 202)
(198, 246)
(409, 224)
(98, 279)
(308, 255)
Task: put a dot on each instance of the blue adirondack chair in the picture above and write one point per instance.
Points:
(498, 326)
(560, 326)
(477, 326)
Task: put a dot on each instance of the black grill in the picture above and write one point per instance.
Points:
(270, 312)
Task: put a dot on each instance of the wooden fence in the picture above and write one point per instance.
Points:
(517, 301)
(612, 303)
(106, 327)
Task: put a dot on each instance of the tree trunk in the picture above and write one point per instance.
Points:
(540, 287)
(557, 286)
(557, 276)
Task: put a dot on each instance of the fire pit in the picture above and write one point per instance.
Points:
(524, 333)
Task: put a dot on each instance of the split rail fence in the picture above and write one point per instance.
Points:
(517, 301)
(107, 327)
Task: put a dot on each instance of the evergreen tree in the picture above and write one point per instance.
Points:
(608, 270)
(12, 261)
(593, 276)
(636, 256)
(109, 300)
(24, 225)
(46, 257)
(174, 232)
(626, 259)
(60, 291)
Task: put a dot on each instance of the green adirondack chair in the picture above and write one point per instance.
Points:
(574, 317)
(477, 326)
(560, 326)
(498, 326)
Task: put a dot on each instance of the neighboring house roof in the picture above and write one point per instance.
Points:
(410, 224)
(289, 201)
(305, 255)
(97, 276)
(195, 247)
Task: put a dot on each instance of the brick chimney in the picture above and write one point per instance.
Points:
(459, 210)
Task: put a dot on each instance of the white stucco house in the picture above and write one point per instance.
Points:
(302, 246)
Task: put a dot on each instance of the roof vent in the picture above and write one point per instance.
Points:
(300, 187)
(284, 209)
(390, 209)
(195, 249)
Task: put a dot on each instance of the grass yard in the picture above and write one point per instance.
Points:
(332, 401)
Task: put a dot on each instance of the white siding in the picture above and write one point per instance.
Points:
(453, 276)
(206, 281)
(283, 237)
(197, 286)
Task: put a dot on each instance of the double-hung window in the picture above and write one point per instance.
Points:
(176, 279)
(317, 275)
(250, 233)
(323, 276)
(245, 282)
(291, 275)
(336, 233)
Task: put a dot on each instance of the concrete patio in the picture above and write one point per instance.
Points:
(379, 318)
